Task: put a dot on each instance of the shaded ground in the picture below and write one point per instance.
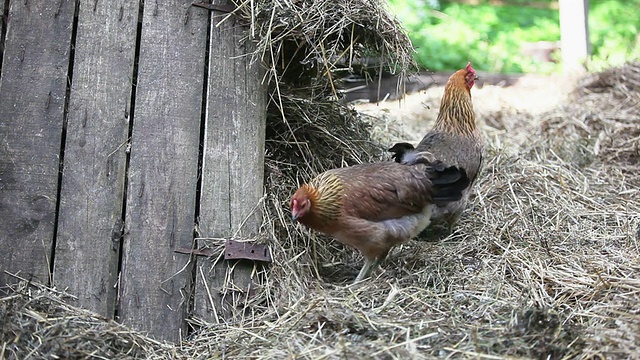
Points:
(497, 99)
(357, 88)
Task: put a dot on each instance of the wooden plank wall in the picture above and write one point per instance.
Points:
(163, 171)
(92, 194)
(32, 102)
(126, 133)
(231, 193)
(3, 29)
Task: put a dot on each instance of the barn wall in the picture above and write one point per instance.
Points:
(125, 126)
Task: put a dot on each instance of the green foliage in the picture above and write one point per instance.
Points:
(447, 34)
(614, 27)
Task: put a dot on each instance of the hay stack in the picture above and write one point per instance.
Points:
(308, 46)
(601, 121)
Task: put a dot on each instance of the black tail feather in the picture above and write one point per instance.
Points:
(447, 182)
(399, 150)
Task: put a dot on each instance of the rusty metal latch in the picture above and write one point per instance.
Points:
(234, 250)
(246, 250)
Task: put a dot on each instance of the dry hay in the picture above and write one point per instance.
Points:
(38, 323)
(601, 120)
(310, 45)
(307, 46)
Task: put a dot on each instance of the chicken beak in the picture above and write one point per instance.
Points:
(294, 216)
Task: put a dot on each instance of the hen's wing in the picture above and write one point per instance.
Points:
(384, 191)
(452, 150)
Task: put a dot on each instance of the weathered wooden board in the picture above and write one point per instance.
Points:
(2, 31)
(90, 215)
(32, 100)
(233, 164)
(163, 169)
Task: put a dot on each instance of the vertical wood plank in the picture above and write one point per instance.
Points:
(574, 34)
(233, 163)
(32, 99)
(92, 193)
(163, 170)
(3, 24)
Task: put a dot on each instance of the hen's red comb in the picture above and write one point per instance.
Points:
(469, 68)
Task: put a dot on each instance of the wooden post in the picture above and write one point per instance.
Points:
(32, 101)
(233, 164)
(574, 34)
(163, 169)
(90, 216)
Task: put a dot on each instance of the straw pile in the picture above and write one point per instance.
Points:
(602, 123)
(544, 264)
(37, 323)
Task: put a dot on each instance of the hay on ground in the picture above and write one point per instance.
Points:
(37, 323)
(544, 264)
(600, 121)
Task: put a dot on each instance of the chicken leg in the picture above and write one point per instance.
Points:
(365, 271)
(369, 265)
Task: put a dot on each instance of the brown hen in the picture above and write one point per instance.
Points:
(373, 207)
(455, 139)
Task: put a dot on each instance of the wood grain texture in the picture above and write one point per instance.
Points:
(233, 164)
(161, 194)
(32, 99)
(3, 24)
(90, 219)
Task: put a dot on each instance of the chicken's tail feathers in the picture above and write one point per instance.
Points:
(400, 151)
(447, 182)
(405, 153)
